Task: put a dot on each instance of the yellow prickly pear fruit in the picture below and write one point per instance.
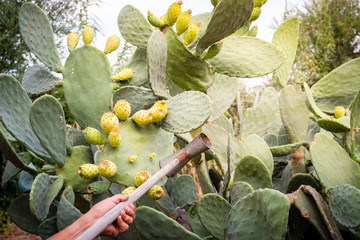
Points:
(72, 40)
(213, 50)
(93, 136)
(183, 22)
(122, 109)
(164, 18)
(155, 21)
(132, 158)
(339, 112)
(141, 177)
(191, 33)
(161, 104)
(255, 14)
(157, 113)
(88, 171)
(88, 34)
(173, 12)
(112, 44)
(107, 168)
(142, 117)
(156, 192)
(114, 138)
(124, 75)
(108, 122)
(128, 190)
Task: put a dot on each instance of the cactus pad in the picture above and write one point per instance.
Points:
(138, 62)
(263, 214)
(187, 111)
(37, 79)
(195, 223)
(283, 150)
(38, 35)
(47, 119)
(48, 228)
(355, 124)
(311, 103)
(335, 125)
(184, 190)
(67, 213)
(302, 179)
(238, 191)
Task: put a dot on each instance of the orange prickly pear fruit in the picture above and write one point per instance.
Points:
(155, 21)
(93, 136)
(255, 14)
(112, 44)
(141, 177)
(191, 33)
(108, 122)
(183, 22)
(114, 138)
(142, 117)
(72, 40)
(107, 168)
(339, 112)
(124, 75)
(122, 109)
(88, 34)
(213, 50)
(173, 12)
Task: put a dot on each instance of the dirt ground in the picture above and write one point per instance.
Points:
(15, 233)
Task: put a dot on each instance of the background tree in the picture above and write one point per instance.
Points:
(329, 35)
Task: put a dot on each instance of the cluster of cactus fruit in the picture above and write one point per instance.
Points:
(292, 171)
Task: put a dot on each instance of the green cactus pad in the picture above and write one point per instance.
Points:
(153, 224)
(186, 112)
(184, 68)
(38, 35)
(283, 150)
(271, 139)
(87, 85)
(302, 179)
(196, 224)
(212, 211)
(264, 118)
(355, 124)
(138, 97)
(329, 92)
(256, 146)
(311, 103)
(252, 170)
(9, 172)
(344, 204)
(157, 55)
(254, 61)
(286, 37)
(232, 13)
(47, 119)
(14, 114)
(332, 164)
(48, 228)
(134, 27)
(263, 214)
(80, 155)
(299, 77)
(222, 94)
(335, 125)
(140, 141)
(224, 123)
(67, 213)
(6, 134)
(184, 190)
(37, 79)
(294, 113)
(238, 191)
(43, 191)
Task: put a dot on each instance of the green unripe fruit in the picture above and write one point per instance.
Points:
(108, 122)
(114, 138)
(122, 109)
(339, 112)
(112, 44)
(156, 192)
(128, 190)
(191, 33)
(141, 177)
(173, 12)
(215, 2)
(88, 171)
(155, 21)
(93, 136)
(107, 168)
(255, 14)
(183, 22)
(142, 117)
(213, 50)
(72, 40)
(98, 187)
(88, 34)
(124, 75)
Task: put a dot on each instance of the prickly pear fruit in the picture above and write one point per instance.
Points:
(161, 104)
(141, 177)
(142, 117)
(88, 171)
(124, 75)
(107, 168)
(255, 14)
(213, 50)
(259, 3)
(339, 112)
(215, 2)
(173, 12)
(157, 114)
(112, 44)
(114, 138)
(164, 18)
(155, 21)
(156, 192)
(88, 34)
(132, 158)
(108, 122)
(183, 22)
(98, 187)
(93, 136)
(72, 40)
(152, 155)
(122, 109)
(191, 33)
(128, 190)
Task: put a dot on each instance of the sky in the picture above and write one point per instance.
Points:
(107, 12)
